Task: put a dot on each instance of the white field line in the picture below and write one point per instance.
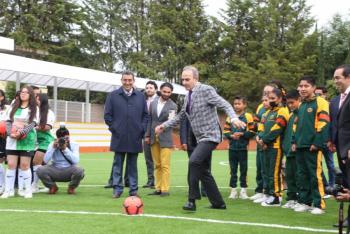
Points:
(172, 186)
(175, 218)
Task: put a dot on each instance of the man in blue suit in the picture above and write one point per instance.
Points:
(126, 116)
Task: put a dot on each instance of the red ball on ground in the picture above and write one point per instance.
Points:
(133, 205)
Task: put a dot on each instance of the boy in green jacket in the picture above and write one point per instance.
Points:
(293, 103)
(310, 136)
(239, 140)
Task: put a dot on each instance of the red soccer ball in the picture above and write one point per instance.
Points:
(16, 129)
(2, 129)
(133, 205)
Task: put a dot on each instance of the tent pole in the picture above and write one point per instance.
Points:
(87, 103)
(18, 81)
(55, 96)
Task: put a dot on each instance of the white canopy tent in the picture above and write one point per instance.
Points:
(37, 72)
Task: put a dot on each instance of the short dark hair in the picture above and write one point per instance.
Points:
(308, 79)
(128, 73)
(167, 84)
(35, 87)
(62, 131)
(241, 98)
(346, 70)
(293, 94)
(324, 89)
(151, 82)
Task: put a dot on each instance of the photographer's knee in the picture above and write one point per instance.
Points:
(40, 172)
(79, 172)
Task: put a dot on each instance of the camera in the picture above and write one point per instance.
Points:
(338, 185)
(61, 142)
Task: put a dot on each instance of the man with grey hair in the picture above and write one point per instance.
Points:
(200, 108)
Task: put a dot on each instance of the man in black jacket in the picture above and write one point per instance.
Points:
(342, 140)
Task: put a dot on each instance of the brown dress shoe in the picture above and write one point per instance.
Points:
(116, 195)
(71, 190)
(53, 189)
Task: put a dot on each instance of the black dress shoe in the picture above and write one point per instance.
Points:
(164, 194)
(345, 224)
(220, 207)
(155, 193)
(134, 194)
(190, 206)
(116, 195)
(148, 185)
(107, 186)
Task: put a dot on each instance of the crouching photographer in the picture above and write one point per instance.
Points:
(342, 195)
(64, 157)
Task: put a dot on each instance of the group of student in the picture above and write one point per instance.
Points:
(28, 122)
(293, 124)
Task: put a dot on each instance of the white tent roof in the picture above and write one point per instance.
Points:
(39, 72)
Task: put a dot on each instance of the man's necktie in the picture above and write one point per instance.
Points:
(188, 107)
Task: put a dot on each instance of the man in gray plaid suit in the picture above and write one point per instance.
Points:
(200, 107)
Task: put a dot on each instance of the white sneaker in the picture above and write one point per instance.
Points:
(317, 211)
(233, 194)
(261, 199)
(44, 190)
(302, 208)
(243, 194)
(21, 192)
(35, 188)
(326, 196)
(256, 196)
(28, 193)
(272, 201)
(8, 194)
(290, 204)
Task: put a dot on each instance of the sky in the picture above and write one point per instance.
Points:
(322, 10)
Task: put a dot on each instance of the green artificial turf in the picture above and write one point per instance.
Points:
(92, 197)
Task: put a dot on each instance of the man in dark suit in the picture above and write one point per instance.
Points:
(188, 143)
(126, 116)
(342, 138)
(200, 107)
(340, 118)
(161, 110)
(151, 93)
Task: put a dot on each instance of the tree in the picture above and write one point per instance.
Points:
(172, 39)
(107, 31)
(264, 40)
(336, 45)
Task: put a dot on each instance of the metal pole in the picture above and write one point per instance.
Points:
(55, 83)
(18, 81)
(87, 103)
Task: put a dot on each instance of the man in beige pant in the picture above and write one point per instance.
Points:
(161, 110)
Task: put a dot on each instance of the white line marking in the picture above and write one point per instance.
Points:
(226, 163)
(172, 186)
(175, 217)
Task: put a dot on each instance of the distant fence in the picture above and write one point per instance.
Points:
(69, 111)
